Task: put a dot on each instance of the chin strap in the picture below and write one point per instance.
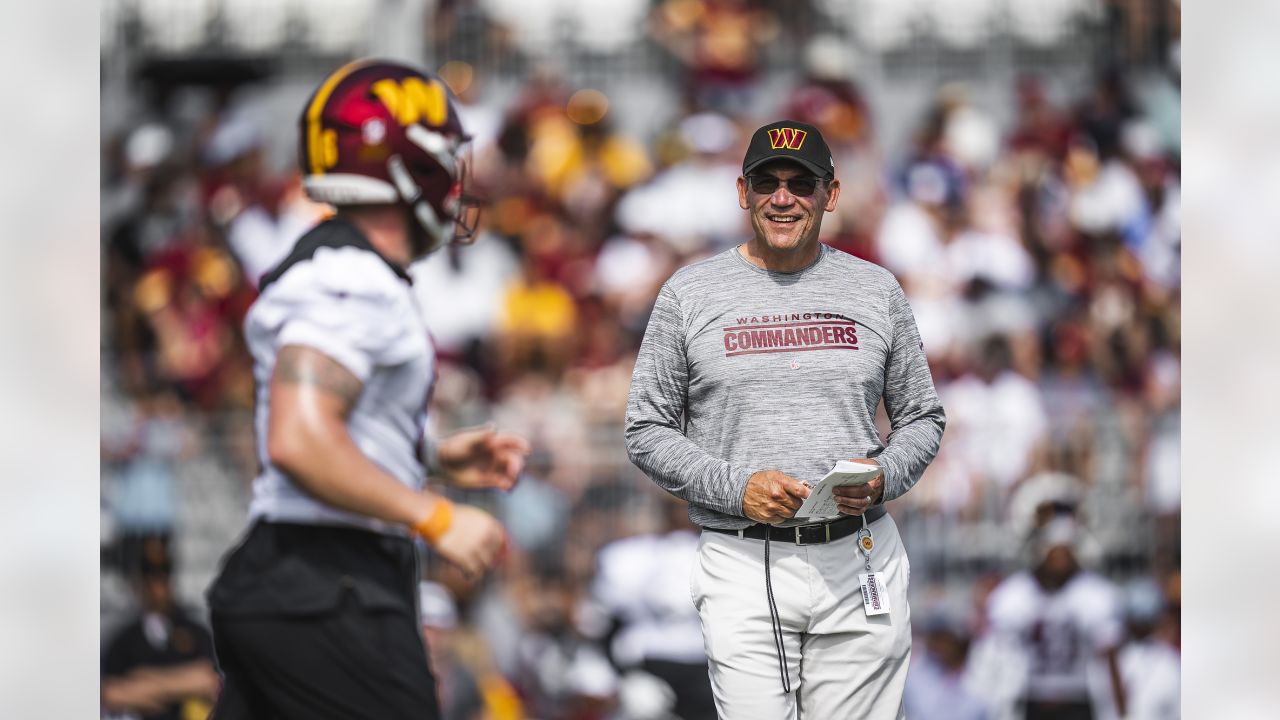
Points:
(438, 233)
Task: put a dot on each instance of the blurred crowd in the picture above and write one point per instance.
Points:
(1041, 259)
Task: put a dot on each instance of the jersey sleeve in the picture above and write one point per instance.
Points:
(916, 418)
(621, 571)
(655, 437)
(346, 304)
(1010, 606)
(1100, 611)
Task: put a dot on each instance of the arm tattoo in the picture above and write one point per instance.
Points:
(296, 365)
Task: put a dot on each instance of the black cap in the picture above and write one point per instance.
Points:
(789, 140)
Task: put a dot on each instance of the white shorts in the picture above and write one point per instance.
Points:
(842, 663)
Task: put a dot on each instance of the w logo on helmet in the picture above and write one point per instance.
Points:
(788, 138)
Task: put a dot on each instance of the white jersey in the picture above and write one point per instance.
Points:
(336, 294)
(1152, 672)
(1061, 634)
(644, 581)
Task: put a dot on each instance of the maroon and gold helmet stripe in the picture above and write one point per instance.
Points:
(319, 148)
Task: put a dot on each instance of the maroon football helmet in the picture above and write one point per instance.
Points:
(380, 132)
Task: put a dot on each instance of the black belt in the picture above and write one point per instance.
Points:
(815, 534)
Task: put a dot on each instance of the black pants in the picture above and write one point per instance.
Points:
(350, 664)
(1066, 710)
(320, 622)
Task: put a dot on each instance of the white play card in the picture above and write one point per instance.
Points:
(875, 596)
(820, 503)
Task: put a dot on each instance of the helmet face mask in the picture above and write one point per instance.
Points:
(468, 203)
(468, 221)
(378, 132)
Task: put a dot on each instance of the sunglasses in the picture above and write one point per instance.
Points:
(802, 186)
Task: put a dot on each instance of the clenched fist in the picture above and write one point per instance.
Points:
(473, 542)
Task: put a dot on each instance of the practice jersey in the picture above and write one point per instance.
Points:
(1060, 634)
(336, 294)
(743, 369)
(1152, 672)
(643, 581)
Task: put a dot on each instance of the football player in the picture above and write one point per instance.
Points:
(314, 612)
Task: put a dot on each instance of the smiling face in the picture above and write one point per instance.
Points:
(786, 225)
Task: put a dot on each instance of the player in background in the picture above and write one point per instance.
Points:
(314, 613)
(1151, 660)
(1054, 633)
(640, 603)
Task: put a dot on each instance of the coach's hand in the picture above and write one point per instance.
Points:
(857, 499)
(773, 496)
(473, 541)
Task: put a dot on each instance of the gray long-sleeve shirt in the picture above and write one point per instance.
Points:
(742, 370)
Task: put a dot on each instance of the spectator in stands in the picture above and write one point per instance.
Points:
(592, 163)
(144, 227)
(559, 674)
(548, 413)
(1105, 195)
(674, 206)
(997, 421)
(628, 272)
(262, 234)
(190, 303)
(830, 98)
(460, 293)
(160, 665)
(719, 43)
(1074, 396)
(143, 496)
(1039, 128)
(537, 319)
(911, 242)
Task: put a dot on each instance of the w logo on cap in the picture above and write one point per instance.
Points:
(787, 138)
